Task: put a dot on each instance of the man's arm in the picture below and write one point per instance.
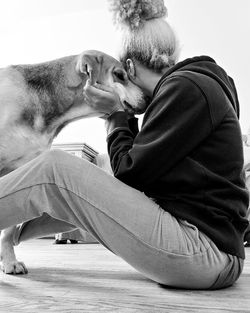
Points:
(175, 122)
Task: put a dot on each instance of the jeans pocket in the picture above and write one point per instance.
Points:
(229, 274)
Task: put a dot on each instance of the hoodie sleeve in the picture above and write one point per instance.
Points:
(176, 121)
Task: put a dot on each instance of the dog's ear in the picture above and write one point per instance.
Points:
(89, 63)
(72, 77)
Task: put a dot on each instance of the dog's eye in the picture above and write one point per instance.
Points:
(120, 75)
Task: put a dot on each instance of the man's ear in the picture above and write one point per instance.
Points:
(130, 69)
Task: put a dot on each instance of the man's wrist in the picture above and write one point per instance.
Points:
(115, 120)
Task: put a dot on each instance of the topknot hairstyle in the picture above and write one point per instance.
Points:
(146, 36)
(134, 13)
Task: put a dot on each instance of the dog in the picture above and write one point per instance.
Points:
(38, 100)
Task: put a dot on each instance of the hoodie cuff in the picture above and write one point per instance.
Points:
(116, 121)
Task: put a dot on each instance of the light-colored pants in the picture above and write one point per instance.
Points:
(57, 192)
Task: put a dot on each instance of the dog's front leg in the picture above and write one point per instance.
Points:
(9, 263)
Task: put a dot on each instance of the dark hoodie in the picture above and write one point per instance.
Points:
(188, 155)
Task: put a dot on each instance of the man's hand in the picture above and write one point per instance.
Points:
(102, 98)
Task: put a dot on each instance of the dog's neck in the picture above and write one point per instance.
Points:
(54, 99)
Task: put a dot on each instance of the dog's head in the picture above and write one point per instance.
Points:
(104, 69)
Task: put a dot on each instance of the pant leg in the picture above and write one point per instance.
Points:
(78, 235)
(44, 225)
(123, 219)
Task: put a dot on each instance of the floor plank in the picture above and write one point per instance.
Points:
(89, 278)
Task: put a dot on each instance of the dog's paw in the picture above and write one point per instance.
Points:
(14, 268)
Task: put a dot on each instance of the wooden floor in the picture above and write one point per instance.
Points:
(88, 278)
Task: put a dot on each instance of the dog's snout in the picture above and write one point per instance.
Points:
(120, 75)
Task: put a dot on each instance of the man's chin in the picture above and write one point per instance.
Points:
(134, 111)
(140, 108)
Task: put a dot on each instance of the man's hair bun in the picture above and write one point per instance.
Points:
(133, 13)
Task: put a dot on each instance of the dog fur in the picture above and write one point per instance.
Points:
(37, 101)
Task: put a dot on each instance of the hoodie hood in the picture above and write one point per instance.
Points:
(206, 66)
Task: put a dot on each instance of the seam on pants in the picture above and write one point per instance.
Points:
(99, 209)
(13, 192)
(132, 234)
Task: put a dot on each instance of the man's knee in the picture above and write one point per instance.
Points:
(58, 164)
(53, 156)
(50, 162)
